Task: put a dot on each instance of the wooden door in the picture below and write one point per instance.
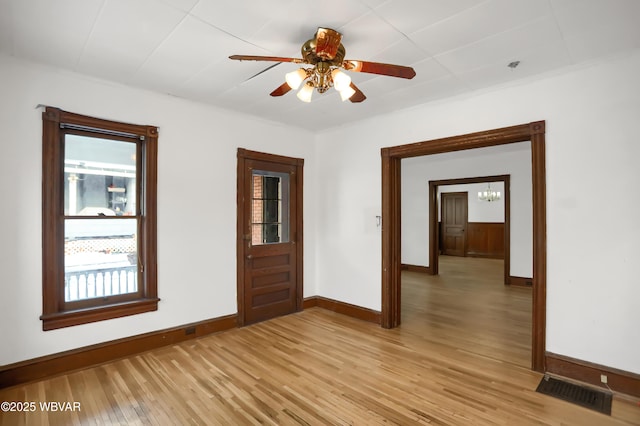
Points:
(269, 236)
(454, 223)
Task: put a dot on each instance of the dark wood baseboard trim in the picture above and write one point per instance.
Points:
(617, 380)
(416, 268)
(310, 302)
(76, 359)
(483, 255)
(520, 282)
(348, 309)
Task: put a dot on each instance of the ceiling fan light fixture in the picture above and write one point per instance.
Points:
(295, 78)
(341, 81)
(346, 93)
(305, 93)
(323, 56)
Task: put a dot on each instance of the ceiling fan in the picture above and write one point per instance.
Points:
(325, 53)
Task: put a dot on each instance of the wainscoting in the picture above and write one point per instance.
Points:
(485, 239)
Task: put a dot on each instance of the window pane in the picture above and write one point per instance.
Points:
(270, 207)
(100, 258)
(99, 177)
(265, 233)
(271, 211)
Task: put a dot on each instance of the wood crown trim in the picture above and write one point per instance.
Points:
(617, 380)
(273, 158)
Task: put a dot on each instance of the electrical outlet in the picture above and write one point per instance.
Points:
(603, 378)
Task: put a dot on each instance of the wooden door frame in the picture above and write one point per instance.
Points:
(243, 156)
(434, 253)
(391, 225)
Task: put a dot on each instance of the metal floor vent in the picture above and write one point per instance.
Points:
(577, 394)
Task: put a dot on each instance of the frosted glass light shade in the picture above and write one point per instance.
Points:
(305, 93)
(346, 93)
(340, 80)
(295, 78)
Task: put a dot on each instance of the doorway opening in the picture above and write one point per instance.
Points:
(434, 229)
(391, 223)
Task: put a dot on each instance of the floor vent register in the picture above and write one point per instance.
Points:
(581, 395)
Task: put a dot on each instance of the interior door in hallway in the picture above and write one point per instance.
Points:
(454, 223)
(269, 236)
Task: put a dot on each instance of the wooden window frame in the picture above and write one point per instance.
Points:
(56, 313)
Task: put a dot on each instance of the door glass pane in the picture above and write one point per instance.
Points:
(100, 258)
(99, 177)
(269, 207)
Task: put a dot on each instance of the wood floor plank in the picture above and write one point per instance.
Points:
(461, 356)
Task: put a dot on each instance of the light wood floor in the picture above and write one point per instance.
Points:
(468, 307)
(444, 366)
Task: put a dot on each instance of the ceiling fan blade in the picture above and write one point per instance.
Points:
(266, 58)
(281, 90)
(358, 96)
(327, 43)
(379, 68)
(264, 70)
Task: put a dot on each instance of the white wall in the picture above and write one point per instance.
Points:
(513, 159)
(196, 203)
(592, 306)
(592, 244)
(478, 210)
(348, 262)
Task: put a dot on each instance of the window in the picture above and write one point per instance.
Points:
(270, 192)
(98, 219)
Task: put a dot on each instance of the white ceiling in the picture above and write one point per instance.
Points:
(181, 47)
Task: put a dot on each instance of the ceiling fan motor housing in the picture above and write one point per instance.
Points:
(324, 47)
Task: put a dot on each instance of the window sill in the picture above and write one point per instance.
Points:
(85, 316)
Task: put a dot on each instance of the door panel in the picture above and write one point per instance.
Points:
(269, 281)
(454, 223)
